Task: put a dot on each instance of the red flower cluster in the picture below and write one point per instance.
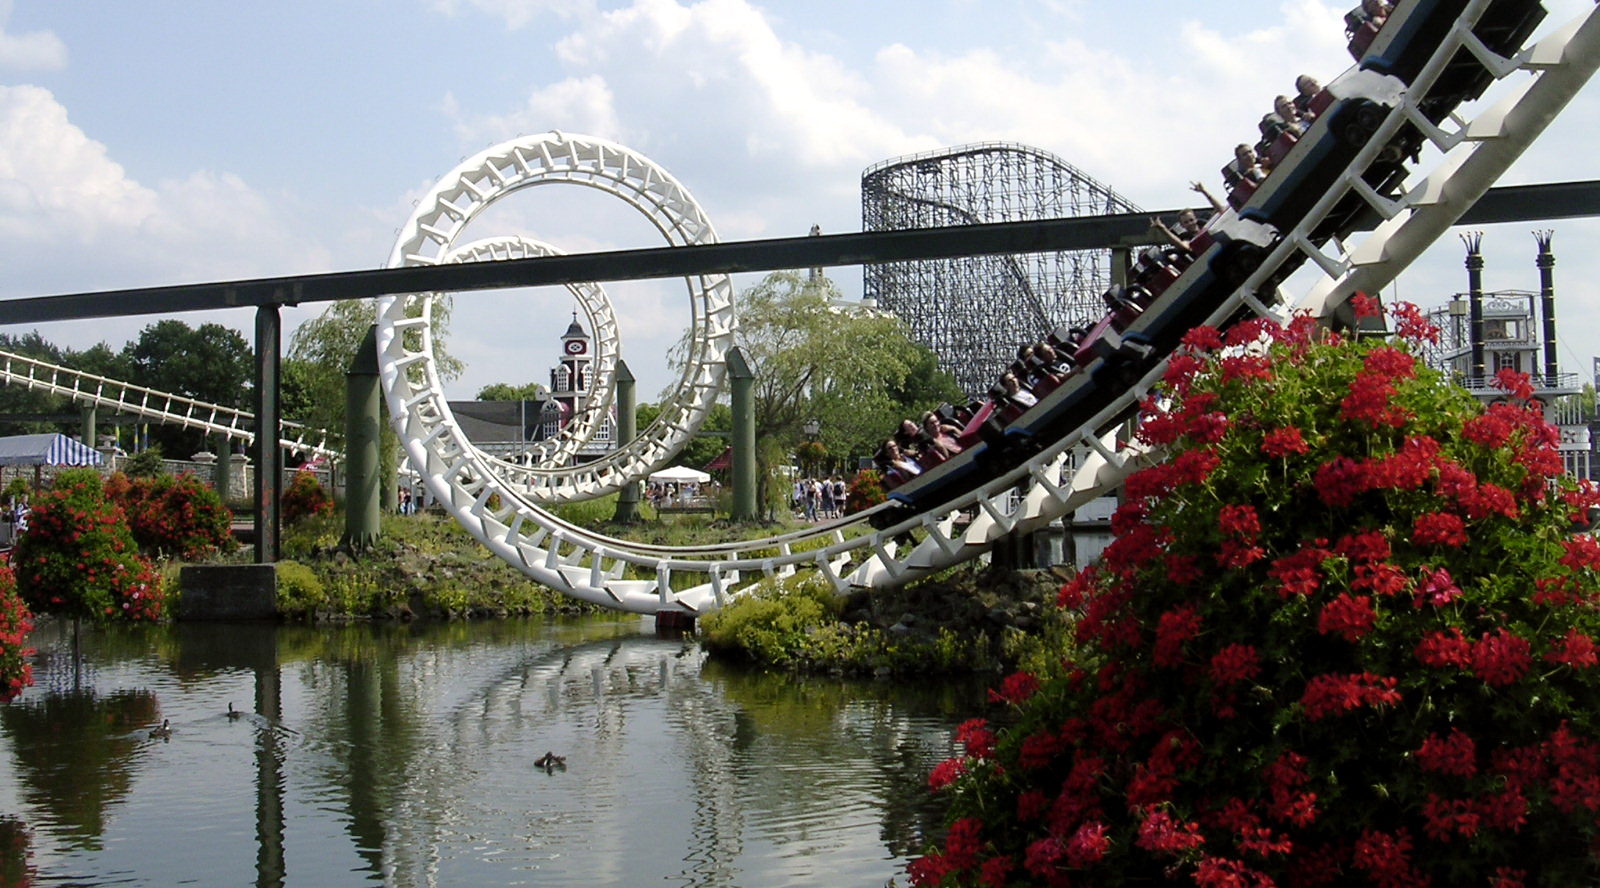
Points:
(16, 672)
(1327, 695)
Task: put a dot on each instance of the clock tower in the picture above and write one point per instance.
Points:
(569, 381)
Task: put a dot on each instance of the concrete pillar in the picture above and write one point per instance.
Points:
(269, 464)
(1121, 262)
(362, 426)
(627, 430)
(222, 471)
(741, 382)
(88, 416)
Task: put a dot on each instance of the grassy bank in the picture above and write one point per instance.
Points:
(970, 619)
(421, 566)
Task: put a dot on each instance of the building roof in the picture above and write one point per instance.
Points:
(498, 421)
(575, 330)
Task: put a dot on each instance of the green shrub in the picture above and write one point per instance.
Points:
(16, 489)
(145, 464)
(300, 592)
(770, 624)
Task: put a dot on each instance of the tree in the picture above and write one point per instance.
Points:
(210, 363)
(849, 369)
(503, 391)
(16, 399)
(320, 351)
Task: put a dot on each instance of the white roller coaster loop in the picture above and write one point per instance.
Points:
(648, 579)
(405, 351)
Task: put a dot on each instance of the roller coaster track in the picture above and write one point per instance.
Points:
(89, 390)
(502, 512)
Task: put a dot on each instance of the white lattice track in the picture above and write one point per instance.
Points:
(89, 390)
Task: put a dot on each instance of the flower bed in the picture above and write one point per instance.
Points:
(1344, 635)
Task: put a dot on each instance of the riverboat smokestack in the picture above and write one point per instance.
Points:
(1474, 241)
(1547, 302)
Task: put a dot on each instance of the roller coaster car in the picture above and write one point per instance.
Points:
(1360, 102)
(1417, 27)
(1109, 358)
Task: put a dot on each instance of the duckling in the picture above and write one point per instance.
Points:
(550, 761)
(234, 714)
(162, 733)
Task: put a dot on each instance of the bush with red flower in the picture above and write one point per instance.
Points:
(866, 490)
(173, 516)
(303, 497)
(1345, 635)
(15, 624)
(78, 558)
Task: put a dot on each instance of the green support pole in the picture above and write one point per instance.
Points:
(741, 382)
(363, 476)
(219, 473)
(627, 430)
(88, 416)
(269, 464)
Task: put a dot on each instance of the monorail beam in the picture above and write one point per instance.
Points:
(1525, 203)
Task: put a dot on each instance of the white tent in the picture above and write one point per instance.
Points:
(680, 475)
(45, 450)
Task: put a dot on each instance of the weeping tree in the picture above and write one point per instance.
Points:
(853, 370)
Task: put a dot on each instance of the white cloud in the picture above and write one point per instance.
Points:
(72, 219)
(33, 51)
(577, 104)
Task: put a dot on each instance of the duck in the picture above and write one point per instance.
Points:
(550, 761)
(234, 714)
(162, 733)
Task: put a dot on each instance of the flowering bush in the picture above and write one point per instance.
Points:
(78, 557)
(171, 516)
(15, 624)
(866, 491)
(1344, 635)
(303, 497)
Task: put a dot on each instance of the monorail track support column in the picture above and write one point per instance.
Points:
(741, 385)
(627, 430)
(363, 424)
(269, 465)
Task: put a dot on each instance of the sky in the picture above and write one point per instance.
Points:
(161, 142)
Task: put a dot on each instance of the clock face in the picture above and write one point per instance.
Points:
(575, 347)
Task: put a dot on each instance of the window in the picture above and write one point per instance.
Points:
(563, 378)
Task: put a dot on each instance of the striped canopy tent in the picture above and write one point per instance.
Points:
(46, 450)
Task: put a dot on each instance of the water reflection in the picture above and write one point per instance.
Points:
(74, 756)
(405, 755)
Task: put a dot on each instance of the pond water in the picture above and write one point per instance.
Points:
(405, 755)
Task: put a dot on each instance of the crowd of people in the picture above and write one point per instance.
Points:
(820, 498)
